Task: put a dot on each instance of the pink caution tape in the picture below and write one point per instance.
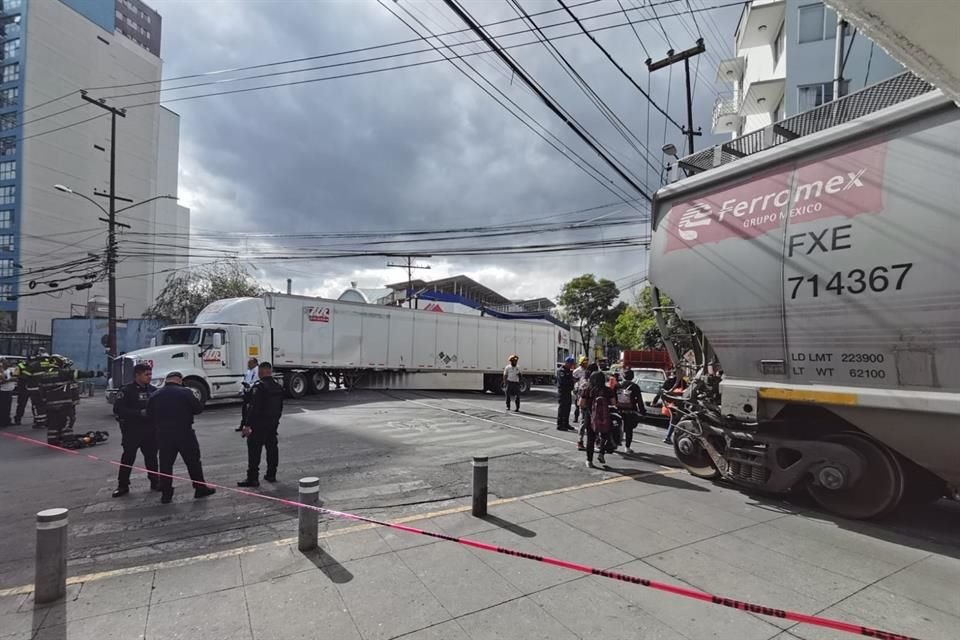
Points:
(693, 594)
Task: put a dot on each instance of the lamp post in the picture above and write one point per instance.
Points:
(112, 224)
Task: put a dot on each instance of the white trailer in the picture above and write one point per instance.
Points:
(311, 341)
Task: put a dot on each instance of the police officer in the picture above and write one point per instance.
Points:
(260, 426)
(172, 409)
(565, 383)
(136, 429)
(26, 388)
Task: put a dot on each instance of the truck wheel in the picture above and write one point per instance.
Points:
(198, 389)
(878, 491)
(319, 382)
(693, 457)
(296, 385)
(525, 386)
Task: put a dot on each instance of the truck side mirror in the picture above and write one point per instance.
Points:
(217, 341)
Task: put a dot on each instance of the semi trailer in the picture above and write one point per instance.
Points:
(818, 266)
(312, 341)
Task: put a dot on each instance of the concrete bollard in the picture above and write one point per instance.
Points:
(479, 486)
(50, 582)
(308, 518)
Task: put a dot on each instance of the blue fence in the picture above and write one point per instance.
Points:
(82, 340)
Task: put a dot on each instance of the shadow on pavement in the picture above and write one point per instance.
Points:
(934, 527)
(654, 478)
(55, 611)
(328, 565)
(510, 526)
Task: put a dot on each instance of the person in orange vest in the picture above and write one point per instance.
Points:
(674, 385)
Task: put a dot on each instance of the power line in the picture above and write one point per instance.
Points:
(634, 29)
(547, 100)
(361, 73)
(600, 178)
(615, 121)
(665, 36)
(617, 64)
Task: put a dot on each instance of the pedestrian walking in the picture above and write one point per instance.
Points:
(8, 384)
(172, 409)
(580, 375)
(249, 379)
(137, 431)
(631, 406)
(260, 427)
(511, 379)
(599, 396)
(583, 403)
(565, 384)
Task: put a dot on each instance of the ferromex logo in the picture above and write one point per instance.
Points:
(318, 314)
(844, 185)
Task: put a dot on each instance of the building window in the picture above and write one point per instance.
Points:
(6, 267)
(11, 48)
(10, 5)
(10, 73)
(6, 221)
(9, 96)
(7, 194)
(817, 23)
(8, 170)
(8, 121)
(119, 17)
(779, 44)
(812, 96)
(8, 146)
(6, 292)
(11, 26)
(6, 242)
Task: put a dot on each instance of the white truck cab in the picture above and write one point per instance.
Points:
(211, 353)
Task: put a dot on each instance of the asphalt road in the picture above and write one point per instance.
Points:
(377, 453)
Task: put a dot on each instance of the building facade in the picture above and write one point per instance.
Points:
(50, 239)
(784, 64)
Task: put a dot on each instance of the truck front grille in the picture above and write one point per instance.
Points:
(121, 370)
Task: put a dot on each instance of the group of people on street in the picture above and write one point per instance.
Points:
(592, 394)
(158, 423)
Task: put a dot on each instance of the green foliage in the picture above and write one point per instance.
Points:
(636, 326)
(186, 293)
(587, 303)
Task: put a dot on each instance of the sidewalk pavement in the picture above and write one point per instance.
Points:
(371, 582)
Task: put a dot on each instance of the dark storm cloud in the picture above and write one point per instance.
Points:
(416, 148)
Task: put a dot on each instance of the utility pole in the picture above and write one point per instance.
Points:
(409, 266)
(839, 61)
(111, 227)
(673, 58)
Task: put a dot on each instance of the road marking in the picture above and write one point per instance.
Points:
(510, 426)
(323, 535)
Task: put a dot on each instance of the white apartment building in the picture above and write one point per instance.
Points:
(784, 64)
(50, 136)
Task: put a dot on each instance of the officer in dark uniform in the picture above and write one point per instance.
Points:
(565, 383)
(172, 409)
(260, 427)
(136, 429)
(26, 388)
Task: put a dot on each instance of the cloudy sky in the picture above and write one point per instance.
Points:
(422, 147)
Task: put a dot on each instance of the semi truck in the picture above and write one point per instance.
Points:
(311, 341)
(819, 264)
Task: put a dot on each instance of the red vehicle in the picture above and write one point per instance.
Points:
(646, 359)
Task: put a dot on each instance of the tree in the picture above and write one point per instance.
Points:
(588, 302)
(636, 327)
(186, 293)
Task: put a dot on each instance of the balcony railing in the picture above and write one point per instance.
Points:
(726, 110)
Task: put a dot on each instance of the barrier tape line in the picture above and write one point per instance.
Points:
(783, 614)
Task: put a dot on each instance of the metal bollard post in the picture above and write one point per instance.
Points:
(50, 582)
(479, 486)
(307, 529)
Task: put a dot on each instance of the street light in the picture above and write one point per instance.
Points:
(112, 223)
